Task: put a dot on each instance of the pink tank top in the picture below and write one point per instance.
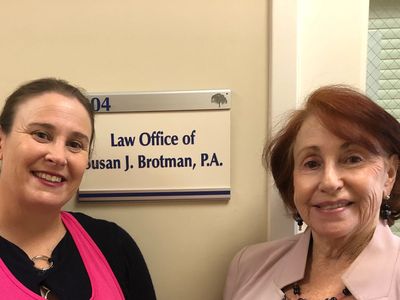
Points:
(104, 284)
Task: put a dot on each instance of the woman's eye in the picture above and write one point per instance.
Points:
(312, 164)
(41, 136)
(353, 159)
(75, 146)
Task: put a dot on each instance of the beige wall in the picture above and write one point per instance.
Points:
(313, 43)
(154, 46)
(333, 38)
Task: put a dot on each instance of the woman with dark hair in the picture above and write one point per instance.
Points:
(46, 136)
(335, 165)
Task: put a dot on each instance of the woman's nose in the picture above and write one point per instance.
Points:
(56, 154)
(331, 180)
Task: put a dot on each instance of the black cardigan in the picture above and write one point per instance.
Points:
(68, 278)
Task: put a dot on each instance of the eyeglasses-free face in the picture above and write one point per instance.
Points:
(338, 186)
(46, 153)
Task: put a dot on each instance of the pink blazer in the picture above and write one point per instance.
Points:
(259, 272)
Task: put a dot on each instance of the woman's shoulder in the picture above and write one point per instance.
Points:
(103, 232)
(266, 252)
(122, 253)
(256, 264)
(114, 242)
(89, 221)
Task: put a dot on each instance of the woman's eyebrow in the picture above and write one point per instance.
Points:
(49, 126)
(308, 148)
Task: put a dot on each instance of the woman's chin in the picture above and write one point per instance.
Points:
(332, 231)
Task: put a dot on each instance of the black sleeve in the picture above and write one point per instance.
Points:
(123, 255)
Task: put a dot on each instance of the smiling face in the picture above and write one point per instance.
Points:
(338, 186)
(46, 152)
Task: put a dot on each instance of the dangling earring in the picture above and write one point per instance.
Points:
(299, 221)
(385, 208)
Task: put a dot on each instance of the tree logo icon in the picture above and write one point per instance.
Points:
(219, 99)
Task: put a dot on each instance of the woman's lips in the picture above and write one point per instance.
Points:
(49, 177)
(332, 205)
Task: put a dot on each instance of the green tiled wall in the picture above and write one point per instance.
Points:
(383, 65)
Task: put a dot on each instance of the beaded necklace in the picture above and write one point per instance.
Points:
(297, 292)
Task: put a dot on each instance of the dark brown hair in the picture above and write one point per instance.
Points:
(348, 114)
(39, 87)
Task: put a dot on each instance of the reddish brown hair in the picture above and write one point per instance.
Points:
(349, 115)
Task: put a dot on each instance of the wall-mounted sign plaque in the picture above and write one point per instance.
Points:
(163, 145)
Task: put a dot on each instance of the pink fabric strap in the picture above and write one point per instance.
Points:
(11, 288)
(104, 284)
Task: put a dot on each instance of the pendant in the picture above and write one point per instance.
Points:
(45, 258)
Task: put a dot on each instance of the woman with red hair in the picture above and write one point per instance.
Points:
(335, 165)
